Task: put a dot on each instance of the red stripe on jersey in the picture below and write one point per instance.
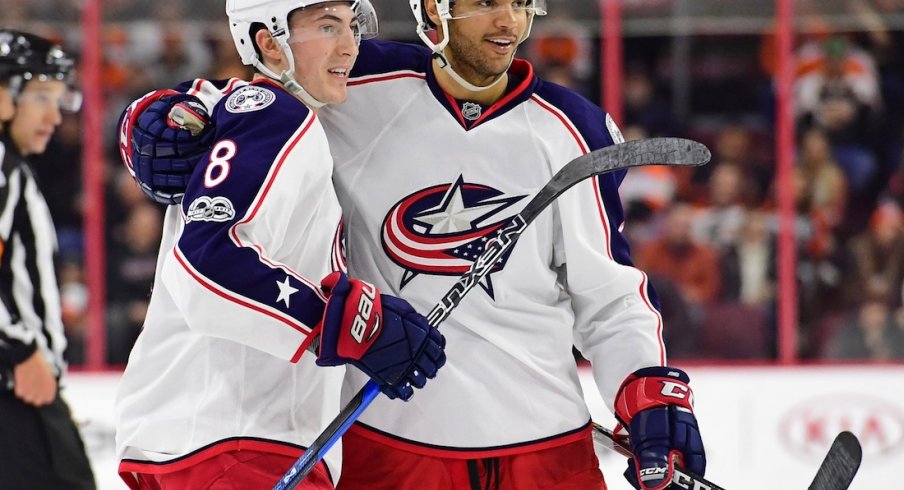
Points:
(232, 83)
(454, 105)
(565, 122)
(217, 448)
(281, 159)
(236, 299)
(584, 150)
(527, 71)
(338, 255)
(602, 212)
(646, 300)
(478, 453)
(393, 76)
(601, 208)
(196, 86)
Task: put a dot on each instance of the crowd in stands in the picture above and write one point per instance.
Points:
(706, 237)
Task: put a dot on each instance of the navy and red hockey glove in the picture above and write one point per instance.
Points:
(162, 137)
(656, 405)
(380, 334)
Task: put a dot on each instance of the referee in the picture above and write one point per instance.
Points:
(40, 447)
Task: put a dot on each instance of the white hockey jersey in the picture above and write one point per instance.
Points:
(424, 180)
(219, 363)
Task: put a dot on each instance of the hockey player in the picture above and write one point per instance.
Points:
(40, 447)
(435, 149)
(217, 392)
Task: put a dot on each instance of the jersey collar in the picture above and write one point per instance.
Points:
(469, 114)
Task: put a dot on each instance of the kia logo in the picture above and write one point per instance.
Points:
(808, 428)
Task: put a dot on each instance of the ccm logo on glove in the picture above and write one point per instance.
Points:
(677, 390)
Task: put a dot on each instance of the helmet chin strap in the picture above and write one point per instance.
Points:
(440, 57)
(287, 77)
(439, 54)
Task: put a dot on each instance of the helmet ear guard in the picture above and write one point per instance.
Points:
(420, 12)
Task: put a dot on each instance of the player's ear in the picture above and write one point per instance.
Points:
(430, 9)
(271, 51)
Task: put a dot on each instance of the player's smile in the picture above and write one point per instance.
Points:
(340, 73)
(502, 44)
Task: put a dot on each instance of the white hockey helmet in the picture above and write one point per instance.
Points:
(274, 15)
(445, 10)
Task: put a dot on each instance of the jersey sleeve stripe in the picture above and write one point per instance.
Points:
(601, 208)
(565, 122)
(262, 195)
(212, 287)
(644, 293)
(281, 159)
(338, 255)
(385, 77)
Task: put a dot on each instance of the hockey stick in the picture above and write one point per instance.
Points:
(838, 469)
(836, 472)
(654, 151)
(680, 478)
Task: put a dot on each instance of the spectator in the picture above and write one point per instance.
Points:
(837, 90)
(825, 186)
(130, 273)
(870, 333)
(560, 49)
(735, 144)
(692, 266)
(74, 308)
(720, 222)
(878, 255)
(179, 58)
(645, 107)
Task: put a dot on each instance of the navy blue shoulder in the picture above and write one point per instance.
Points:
(589, 119)
(377, 56)
(261, 107)
(188, 85)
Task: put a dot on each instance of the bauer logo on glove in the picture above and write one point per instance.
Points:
(379, 334)
(365, 311)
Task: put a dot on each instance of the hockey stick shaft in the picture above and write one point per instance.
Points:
(836, 472)
(655, 151)
(680, 478)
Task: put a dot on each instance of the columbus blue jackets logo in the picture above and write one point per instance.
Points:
(249, 98)
(442, 229)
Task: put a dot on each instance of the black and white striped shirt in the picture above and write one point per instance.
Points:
(30, 311)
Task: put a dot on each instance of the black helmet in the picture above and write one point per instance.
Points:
(25, 56)
(29, 55)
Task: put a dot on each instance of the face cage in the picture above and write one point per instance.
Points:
(367, 26)
(71, 101)
(532, 8)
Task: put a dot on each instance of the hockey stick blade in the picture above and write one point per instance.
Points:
(680, 478)
(653, 151)
(840, 465)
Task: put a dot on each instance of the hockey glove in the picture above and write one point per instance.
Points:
(161, 139)
(655, 404)
(381, 335)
